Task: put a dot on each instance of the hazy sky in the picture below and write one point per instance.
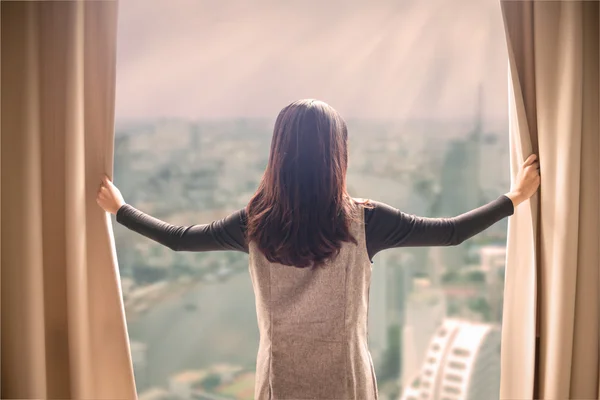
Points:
(383, 58)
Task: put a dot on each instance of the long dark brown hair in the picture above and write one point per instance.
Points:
(300, 215)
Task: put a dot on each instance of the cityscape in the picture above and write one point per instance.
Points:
(434, 314)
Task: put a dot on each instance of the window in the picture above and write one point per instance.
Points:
(461, 352)
(422, 86)
(454, 378)
(457, 365)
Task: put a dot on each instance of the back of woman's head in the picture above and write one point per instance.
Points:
(300, 214)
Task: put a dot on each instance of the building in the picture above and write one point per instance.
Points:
(461, 363)
(391, 282)
(377, 323)
(493, 264)
(425, 312)
(411, 391)
(460, 183)
(476, 292)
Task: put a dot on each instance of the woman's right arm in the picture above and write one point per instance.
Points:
(223, 234)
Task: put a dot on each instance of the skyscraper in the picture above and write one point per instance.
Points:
(391, 284)
(425, 312)
(377, 310)
(460, 184)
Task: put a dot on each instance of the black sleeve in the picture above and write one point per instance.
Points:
(224, 234)
(386, 227)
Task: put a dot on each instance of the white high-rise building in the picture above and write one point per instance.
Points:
(425, 312)
(462, 363)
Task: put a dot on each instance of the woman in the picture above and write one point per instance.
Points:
(310, 249)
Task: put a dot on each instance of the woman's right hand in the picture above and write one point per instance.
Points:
(109, 197)
(527, 181)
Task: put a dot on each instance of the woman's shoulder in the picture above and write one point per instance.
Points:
(366, 203)
(375, 210)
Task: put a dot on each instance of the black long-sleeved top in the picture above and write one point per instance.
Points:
(385, 227)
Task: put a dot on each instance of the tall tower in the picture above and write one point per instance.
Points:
(390, 283)
(460, 181)
(475, 141)
(478, 126)
(377, 317)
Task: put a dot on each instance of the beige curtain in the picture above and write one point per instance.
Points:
(63, 326)
(550, 338)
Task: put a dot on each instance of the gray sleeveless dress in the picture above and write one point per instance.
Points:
(313, 326)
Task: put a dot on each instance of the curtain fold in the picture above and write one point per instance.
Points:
(64, 333)
(551, 305)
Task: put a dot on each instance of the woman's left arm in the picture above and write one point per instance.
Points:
(224, 234)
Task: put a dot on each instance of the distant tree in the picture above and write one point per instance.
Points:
(146, 274)
(453, 308)
(211, 382)
(475, 276)
(420, 274)
(450, 277)
(481, 306)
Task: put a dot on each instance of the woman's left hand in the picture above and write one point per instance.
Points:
(109, 197)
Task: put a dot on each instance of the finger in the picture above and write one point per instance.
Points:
(106, 179)
(533, 164)
(530, 159)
